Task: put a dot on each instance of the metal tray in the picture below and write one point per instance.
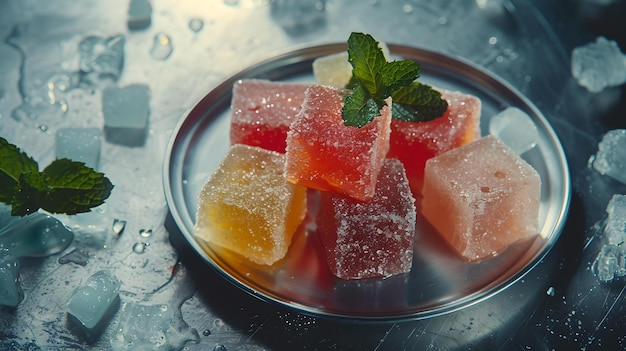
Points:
(439, 282)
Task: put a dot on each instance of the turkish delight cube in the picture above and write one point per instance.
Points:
(373, 238)
(324, 154)
(262, 111)
(248, 207)
(413, 143)
(481, 198)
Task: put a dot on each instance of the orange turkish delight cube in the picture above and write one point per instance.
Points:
(324, 154)
(481, 198)
(248, 207)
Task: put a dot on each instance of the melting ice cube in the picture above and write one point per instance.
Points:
(515, 128)
(35, 235)
(610, 263)
(599, 65)
(139, 14)
(102, 57)
(94, 300)
(611, 156)
(615, 229)
(79, 144)
(11, 293)
(126, 112)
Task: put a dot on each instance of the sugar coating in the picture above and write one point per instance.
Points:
(262, 111)
(374, 238)
(414, 143)
(481, 197)
(324, 154)
(126, 111)
(248, 207)
(79, 144)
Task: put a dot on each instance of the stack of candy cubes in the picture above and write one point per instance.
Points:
(289, 139)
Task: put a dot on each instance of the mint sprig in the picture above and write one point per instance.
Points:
(64, 186)
(374, 79)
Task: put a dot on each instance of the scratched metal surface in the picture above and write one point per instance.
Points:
(559, 305)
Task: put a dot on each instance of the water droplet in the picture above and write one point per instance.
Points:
(231, 2)
(118, 226)
(407, 8)
(145, 233)
(196, 24)
(551, 291)
(42, 127)
(207, 332)
(139, 248)
(161, 47)
(219, 347)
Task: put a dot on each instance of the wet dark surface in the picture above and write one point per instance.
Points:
(559, 305)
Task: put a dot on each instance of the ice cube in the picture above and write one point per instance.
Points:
(139, 14)
(599, 65)
(615, 229)
(610, 263)
(79, 144)
(126, 111)
(610, 159)
(35, 235)
(101, 57)
(515, 128)
(11, 293)
(91, 302)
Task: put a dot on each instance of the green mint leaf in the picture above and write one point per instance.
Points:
(359, 107)
(417, 103)
(398, 74)
(32, 192)
(13, 162)
(74, 187)
(380, 79)
(367, 61)
(64, 186)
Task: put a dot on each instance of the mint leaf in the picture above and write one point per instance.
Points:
(367, 61)
(74, 187)
(13, 162)
(32, 192)
(417, 103)
(374, 79)
(64, 186)
(360, 108)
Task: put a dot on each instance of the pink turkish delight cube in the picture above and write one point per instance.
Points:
(324, 154)
(262, 111)
(481, 198)
(373, 238)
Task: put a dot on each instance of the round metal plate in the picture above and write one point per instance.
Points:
(439, 281)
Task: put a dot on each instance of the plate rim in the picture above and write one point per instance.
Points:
(308, 53)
